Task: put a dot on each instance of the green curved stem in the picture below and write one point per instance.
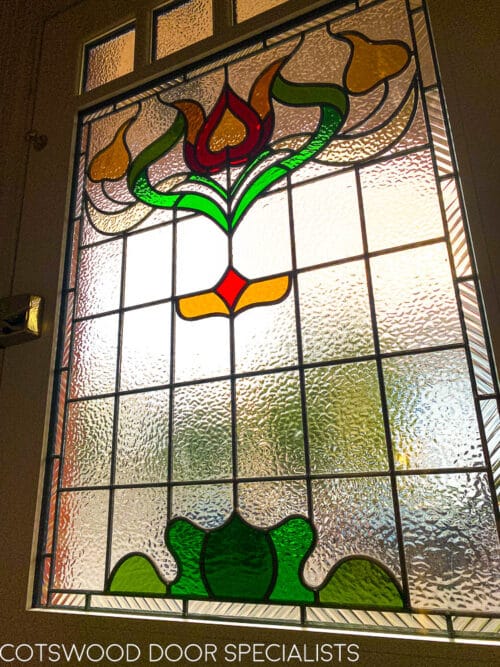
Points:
(141, 188)
(332, 101)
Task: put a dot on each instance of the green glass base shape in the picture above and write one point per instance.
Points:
(360, 582)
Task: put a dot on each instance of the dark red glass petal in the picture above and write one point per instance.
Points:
(231, 286)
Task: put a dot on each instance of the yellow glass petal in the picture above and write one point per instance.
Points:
(112, 162)
(263, 291)
(194, 117)
(260, 98)
(373, 62)
(201, 305)
(229, 132)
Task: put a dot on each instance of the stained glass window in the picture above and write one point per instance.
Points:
(274, 392)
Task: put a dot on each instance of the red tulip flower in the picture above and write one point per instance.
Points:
(234, 131)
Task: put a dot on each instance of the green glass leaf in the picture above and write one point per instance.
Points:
(185, 541)
(238, 561)
(292, 541)
(359, 582)
(136, 575)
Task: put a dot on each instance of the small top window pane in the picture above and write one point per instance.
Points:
(111, 57)
(181, 24)
(245, 9)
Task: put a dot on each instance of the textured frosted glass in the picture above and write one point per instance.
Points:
(109, 60)
(266, 337)
(269, 425)
(353, 517)
(139, 520)
(475, 337)
(330, 229)
(207, 505)
(94, 356)
(201, 437)
(142, 449)
(401, 201)
(89, 436)
(66, 343)
(148, 274)
(181, 26)
(414, 299)
(264, 504)
(201, 348)
(81, 545)
(201, 255)
(456, 229)
(245, 9)
(491, 421)
(431, 410)
(99, 278)
(261, 244)
(344, 415)
(424, 49)
(451, 544)
(335, 313)
(241, 611)
(438, 133)
(146, 347)
(52, 505)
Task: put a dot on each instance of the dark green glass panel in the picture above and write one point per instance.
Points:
(238, 561)
(136, 575)
(361, 582)
(292, 541)
(185, 541)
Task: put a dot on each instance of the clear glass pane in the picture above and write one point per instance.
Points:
(362, 524)
(266, 337)
(148, 274)
(414, 299)
(431, 410)
(451, 544)
(201, 348)
(245, 9)
(208, 506)
(108, 60)
(201, 255)
(269, 425)
(264, 504)
(142, 445)
(330, 229)
(81, 543)
(344, 416)
(401, 202)
(335, 313)
(88, 443)
(182, 25)
(261, 244)
(95, 345)
(139, 520)
(100, 265)
(202, 433)
(145, 360)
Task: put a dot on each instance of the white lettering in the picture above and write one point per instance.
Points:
(157, 657)
(175, 647)
(268, 656)
(2, 655)
(230, 653)
(353, 651)
(73, 650)
(30, 650)
(131, 658)
(100, 656)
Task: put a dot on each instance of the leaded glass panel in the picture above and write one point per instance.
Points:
(274, 386)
